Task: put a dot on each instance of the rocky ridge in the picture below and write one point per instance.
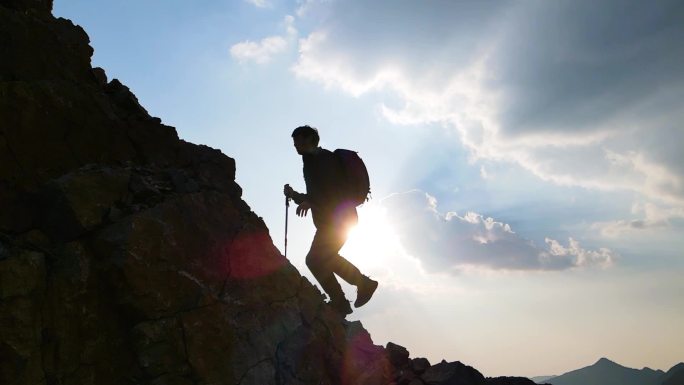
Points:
(127, 255)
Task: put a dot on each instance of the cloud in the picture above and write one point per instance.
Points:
(448, 242)
(307, 7)
(258, 52)
(579, 93)
(260, 3)
(483, 172)
(262, 52)
(648, 217)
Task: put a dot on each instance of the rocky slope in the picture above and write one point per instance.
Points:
(127, 255)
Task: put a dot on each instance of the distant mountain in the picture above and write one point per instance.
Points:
(541, 379)
(607, 372)
(674, 376)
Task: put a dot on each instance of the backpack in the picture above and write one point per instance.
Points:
(356, 185)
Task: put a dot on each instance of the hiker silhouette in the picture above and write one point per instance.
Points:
(333, 214)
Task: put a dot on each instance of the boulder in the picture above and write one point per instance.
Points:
(398, 355)
(452, 373)
(419, 365)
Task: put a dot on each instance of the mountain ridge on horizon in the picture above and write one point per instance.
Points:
(608, 372)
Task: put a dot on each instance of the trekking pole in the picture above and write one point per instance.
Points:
(287, 206)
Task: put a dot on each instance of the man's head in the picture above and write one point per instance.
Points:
(305, 139)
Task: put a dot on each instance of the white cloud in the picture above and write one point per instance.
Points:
(448, 242)
(258, 52)
(262, 52)
(580, 94)
(260, 3)
(579, 256)
(647, 217)
(344, 77)
(306, 7)
(288, 23)
(483, 172)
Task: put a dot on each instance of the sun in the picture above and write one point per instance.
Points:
(372, 242)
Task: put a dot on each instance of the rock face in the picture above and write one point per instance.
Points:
(127, 255)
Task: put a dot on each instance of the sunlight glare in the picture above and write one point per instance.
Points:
(372, 243)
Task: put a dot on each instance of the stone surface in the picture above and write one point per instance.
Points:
(127, 255)
(398, 355)
(419, 365)
(452, 373)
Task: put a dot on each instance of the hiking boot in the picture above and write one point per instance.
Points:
(364, 291)
(341, 306)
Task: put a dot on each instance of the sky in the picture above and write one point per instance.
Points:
(526, 158)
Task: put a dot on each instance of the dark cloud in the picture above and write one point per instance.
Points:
(578, 92)
(571, 64)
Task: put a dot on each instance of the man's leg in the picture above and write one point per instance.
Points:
(321, 262)
(324, 261)
(346, 270)
(365, 287)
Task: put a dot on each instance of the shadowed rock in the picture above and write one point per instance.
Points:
(452, 373)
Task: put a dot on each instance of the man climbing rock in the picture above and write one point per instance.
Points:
(333, 216)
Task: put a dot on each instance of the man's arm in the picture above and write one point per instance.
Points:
(297, 197)
(303, 204)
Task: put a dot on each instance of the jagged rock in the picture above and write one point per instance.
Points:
(363, 359)
(22, 281)
(404, 376)
(398, 355)
(452, 373)
(419, 365)
(78, 201)
(100, 76)
(19, 209)
(41, 6)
